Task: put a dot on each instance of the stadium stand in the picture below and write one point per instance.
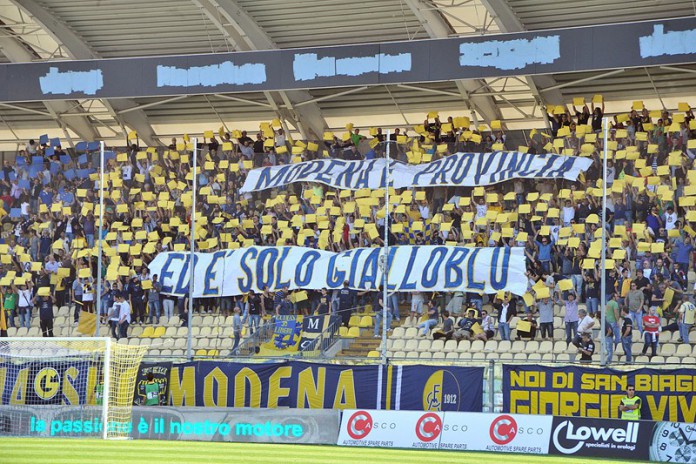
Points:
(50, 202)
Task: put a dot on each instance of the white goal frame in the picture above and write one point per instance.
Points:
(101, 343)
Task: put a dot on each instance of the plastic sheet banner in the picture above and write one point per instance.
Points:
(46, 382)
(437, 388)
(326, 386)
(411, 268)
(313, 327)
(460, 169)
(667, 395)
(160, 375)
(286, 333)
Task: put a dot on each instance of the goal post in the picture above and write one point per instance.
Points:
(67, 387)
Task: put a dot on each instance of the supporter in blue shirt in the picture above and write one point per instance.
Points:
(682, 251)
(544, 247)
(653, 221)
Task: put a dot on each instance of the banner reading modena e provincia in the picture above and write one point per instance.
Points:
(411, 268)
(466, 169)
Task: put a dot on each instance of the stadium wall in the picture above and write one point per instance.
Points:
(573, 391)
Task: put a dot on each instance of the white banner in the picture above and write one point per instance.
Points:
(390, 429)
(412, 268)
(503, 433)
(465, 169)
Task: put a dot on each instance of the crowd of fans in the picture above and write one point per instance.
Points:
(51, 208)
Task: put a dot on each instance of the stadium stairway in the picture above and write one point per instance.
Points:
(359, 337)
(361, 346)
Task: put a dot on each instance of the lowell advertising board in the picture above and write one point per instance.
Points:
(579, 436)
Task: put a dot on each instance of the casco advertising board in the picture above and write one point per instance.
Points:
(448, 430)
(506, 433)
(577, 436)
(390, 429)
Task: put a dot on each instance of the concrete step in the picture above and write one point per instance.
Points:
(362, 345)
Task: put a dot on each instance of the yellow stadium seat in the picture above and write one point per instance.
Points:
(365, 321)
(343, 332)
(148, 332)
(213, 353)
(159, 332)
(373, 354)
(201, 353)
(354, 321)
(353, 332)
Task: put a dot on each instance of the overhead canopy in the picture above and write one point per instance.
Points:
(57, 30)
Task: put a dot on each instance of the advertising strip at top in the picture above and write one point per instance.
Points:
(411, 268)
(460, 169)
(666, 395)
(649, 43)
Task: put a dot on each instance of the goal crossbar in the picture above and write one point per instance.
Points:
(90, 375)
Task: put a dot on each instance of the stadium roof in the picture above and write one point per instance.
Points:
(40, 30)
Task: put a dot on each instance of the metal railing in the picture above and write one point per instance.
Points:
(251, 345)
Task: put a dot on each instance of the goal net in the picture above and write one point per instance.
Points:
(67, 387)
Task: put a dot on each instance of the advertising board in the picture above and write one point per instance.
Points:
(579, 436)
(312, 426)
(390, 429)
(673, 442)
(506, 433)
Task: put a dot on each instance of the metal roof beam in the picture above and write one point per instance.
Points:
(77, 48)
(507, 21)
(244, 34)
(437, 28)
(16, 52)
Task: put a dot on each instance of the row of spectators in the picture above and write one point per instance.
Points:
(51, 205)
